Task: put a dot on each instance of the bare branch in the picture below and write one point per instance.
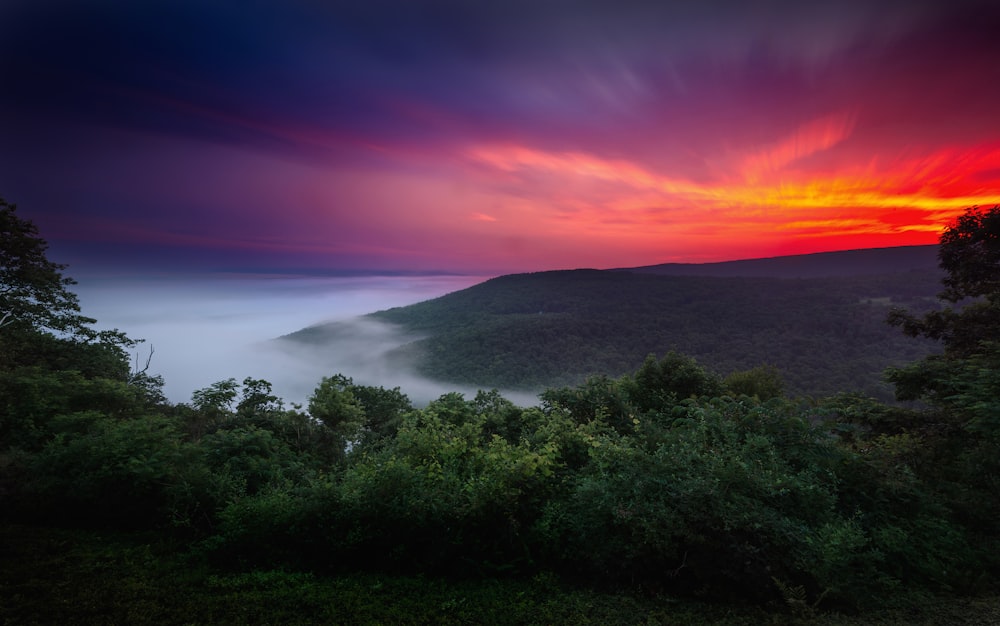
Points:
(136, 372)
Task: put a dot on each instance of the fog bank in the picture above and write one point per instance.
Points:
(208, 329)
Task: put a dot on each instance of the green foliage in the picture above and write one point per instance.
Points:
(52, 576)
(960, 431)
(450, 492)
(599, 399)
(970, 255)
(33, 292)
(39, 316)
(720, 503)
(976, 394)
(227, 406)
(216, 399)
(662, 383)
(762, 382)
(333, 404)
(383, 410)
(257, 399)
(251, 458)
(109, 472)
(93, 359)
(32, 398)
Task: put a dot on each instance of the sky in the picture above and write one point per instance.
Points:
(403, 137)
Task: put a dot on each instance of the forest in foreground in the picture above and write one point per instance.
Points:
(664, 495)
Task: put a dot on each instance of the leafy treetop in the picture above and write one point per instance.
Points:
(33, 291)
(970, 254)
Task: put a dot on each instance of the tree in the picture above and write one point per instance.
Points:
(216, 399)
(383, 408)
(762, 382)
(333, 404)
(33, 291)
(661, 384)
(962, 379)
(257, 400)
(962, 427)
(970, 256)
(40, 320)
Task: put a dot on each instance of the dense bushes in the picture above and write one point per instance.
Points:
(663, 481)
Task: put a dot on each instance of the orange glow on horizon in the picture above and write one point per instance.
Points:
(763, 198)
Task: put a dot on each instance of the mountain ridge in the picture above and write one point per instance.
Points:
(862, 261)
(826, 334)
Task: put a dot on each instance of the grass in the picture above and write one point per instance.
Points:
(59, 576)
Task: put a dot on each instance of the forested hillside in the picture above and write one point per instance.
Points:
(529, 331)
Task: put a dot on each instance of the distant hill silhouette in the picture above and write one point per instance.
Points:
(842, 263)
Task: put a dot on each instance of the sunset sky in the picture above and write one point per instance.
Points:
(489, 137)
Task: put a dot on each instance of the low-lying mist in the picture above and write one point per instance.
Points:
(203, 330)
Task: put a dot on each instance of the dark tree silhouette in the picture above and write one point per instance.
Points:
(970, 256)
(33, 291)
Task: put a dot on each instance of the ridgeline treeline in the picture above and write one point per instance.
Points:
(668, 481)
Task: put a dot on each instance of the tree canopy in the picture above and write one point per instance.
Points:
(33, 290)
(970, 257)
(961, 385)
(970, 254)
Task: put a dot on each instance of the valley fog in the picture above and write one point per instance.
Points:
(205, 330)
